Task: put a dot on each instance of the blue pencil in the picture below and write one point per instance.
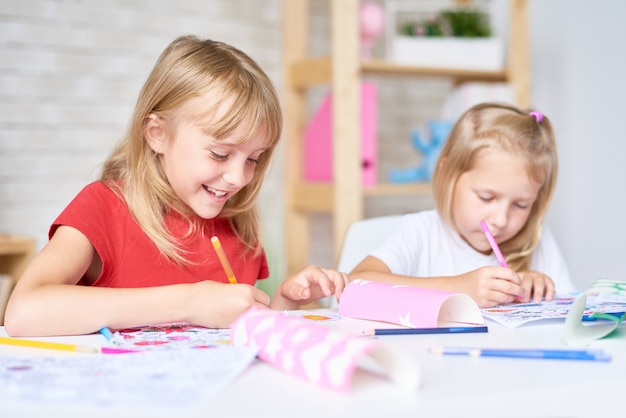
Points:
(438, 330)
(107, 334)
(590, 355)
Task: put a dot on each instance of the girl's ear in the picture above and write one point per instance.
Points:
(155, 132)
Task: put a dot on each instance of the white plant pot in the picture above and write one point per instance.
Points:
(485, 54)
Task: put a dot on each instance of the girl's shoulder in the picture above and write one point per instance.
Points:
(102, 188)
(95, 200)
(420, 226)
(95, 207)
(99, 193)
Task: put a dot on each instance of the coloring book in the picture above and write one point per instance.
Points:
(578, 332)
(176, 378)
(515, 315)
(170, 336)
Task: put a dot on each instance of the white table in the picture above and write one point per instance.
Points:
(452, 386)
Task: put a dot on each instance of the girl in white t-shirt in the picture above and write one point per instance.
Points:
(499, 165)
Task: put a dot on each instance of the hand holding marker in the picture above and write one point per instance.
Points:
(493, 243)
(495, 248)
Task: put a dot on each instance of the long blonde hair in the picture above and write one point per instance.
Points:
(507, 128)
(187, 68)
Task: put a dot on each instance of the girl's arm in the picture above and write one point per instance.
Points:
(488, 286)
(48, 301)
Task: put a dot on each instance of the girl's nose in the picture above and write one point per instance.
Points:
(499, 217)
(235, 173)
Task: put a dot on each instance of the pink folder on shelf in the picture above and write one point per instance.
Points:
(320, 354)
(318, 140)
(410, 306)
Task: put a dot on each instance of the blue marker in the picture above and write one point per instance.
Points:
(589, 355)
(107, 334)
(438, 330)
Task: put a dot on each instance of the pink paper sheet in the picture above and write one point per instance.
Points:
(410, 306)
(316, 353)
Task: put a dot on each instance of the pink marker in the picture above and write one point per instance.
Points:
(494, 244)
(113, 350)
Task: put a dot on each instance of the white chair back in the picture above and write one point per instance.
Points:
(362, 237)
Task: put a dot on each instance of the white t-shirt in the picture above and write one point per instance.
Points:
(423, 246)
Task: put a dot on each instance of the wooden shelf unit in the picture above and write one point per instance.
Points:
(343, 71)
(15, 254)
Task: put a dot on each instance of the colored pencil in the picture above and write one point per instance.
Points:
(410, 331)
(62, 346)
(48, 345)
(107, 334)
(493, 243)
(222, 256)
(113, 350)
(589, 355)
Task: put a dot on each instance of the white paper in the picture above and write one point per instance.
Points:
(515, 315)
(164, 378)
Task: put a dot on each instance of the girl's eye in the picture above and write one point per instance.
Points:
(485, 198)
(218, 157)
(253, 161)
(521, 205)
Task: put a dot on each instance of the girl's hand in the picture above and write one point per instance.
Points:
(309, 285)
(217, 305)
(536, 285)
(491, 286)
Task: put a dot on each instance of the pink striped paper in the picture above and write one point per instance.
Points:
(316, 353)
(410, 306)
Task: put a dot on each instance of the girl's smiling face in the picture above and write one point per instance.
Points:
(203, 171)
(498, 190)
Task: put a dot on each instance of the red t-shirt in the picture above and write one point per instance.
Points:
(130, 258)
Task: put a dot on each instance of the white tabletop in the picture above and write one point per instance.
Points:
(452, 386)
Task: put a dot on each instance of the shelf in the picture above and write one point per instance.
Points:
(309, 72)
(15, 254)
(12, 245)
(320, 197)
(342, 71)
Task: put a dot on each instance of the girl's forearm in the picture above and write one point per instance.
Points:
(58, 309)
(436, 283)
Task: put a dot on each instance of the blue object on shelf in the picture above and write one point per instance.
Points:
(430, 148)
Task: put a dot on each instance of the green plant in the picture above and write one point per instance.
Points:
(467, 23)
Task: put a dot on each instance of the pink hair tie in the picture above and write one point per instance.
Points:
(538, 115)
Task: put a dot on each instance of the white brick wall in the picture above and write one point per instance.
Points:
(70, 71)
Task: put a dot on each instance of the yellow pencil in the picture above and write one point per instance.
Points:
(222, 256)
(48, 345)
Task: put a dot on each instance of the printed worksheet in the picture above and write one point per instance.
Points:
(163, 378)
(515, 315)
(170, 336)
(175, 364)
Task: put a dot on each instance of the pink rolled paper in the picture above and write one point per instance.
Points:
(316, 353)
(410, 306)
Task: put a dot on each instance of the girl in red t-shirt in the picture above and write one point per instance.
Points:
(135, 247)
